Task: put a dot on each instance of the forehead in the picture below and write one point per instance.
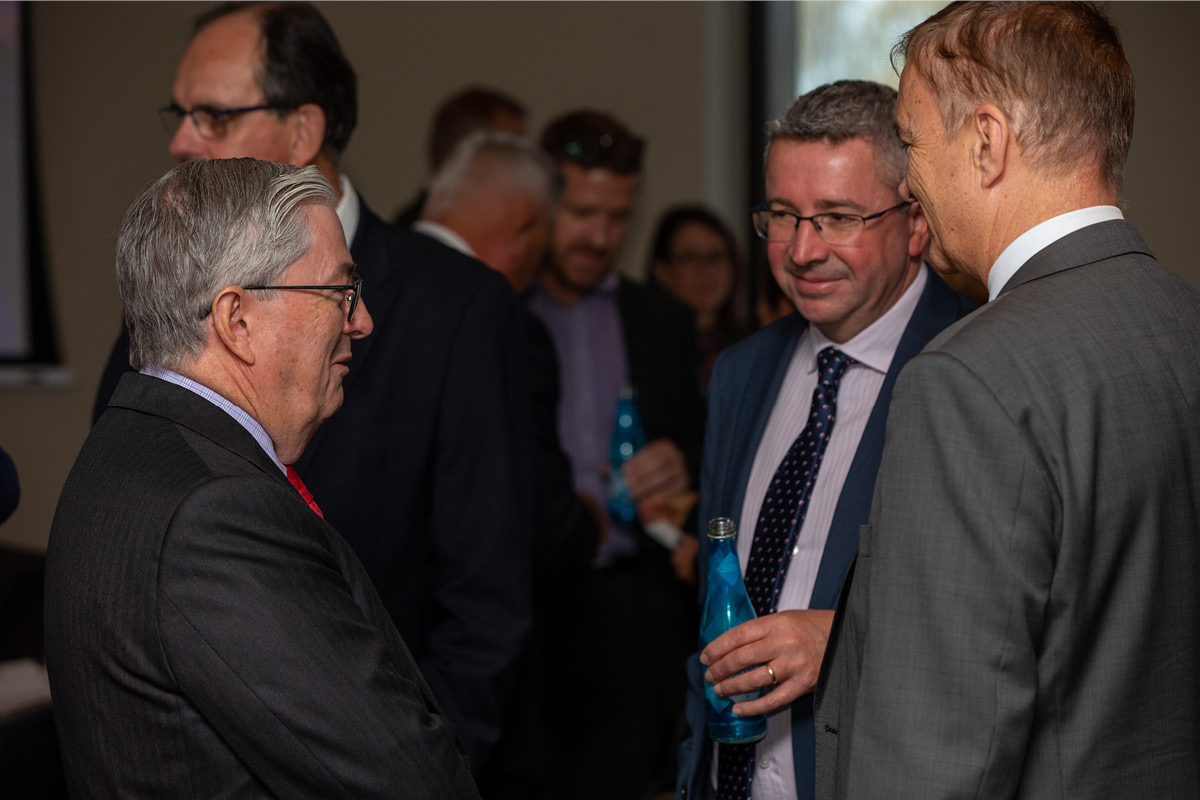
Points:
(696, 236)
(327, 259)
(221, 63)
(598, 187)
(820, 174)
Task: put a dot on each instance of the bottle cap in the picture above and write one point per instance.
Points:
(721, 528)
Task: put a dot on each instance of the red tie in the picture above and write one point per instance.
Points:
(303, 490)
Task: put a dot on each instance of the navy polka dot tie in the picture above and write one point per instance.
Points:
(779, 522)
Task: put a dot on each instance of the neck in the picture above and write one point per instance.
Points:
(330, 171)
(1040, 199)
(563, 292)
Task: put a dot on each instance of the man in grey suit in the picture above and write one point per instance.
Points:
(208, 634)
(1023, 617)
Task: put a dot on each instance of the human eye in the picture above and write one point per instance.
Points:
(840, 221)
(209, 120)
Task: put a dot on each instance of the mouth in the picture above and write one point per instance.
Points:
(343, 362)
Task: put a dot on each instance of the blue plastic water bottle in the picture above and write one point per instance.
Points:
(627, 438)
(726, 605)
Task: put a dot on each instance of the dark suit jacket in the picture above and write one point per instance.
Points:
(208, 635)
(1023, 618)
(427, 468)
(744, 387)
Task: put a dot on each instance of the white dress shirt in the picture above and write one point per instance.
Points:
(1039, 237)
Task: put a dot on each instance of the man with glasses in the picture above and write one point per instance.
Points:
(208, 632)
(427, 471)
(796, 419)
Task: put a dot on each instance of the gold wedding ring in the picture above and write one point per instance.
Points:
(771, 672)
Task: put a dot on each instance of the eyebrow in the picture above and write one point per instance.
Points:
(822, 206)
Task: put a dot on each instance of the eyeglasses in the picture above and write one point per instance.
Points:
(354, 289)
(778, 225)
(210, 122)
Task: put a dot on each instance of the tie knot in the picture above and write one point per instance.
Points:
(831, 363)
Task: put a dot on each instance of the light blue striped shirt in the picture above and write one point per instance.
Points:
(232, 409)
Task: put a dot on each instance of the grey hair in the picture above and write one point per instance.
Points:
(845, 110)
(203, 226)
(493, 158)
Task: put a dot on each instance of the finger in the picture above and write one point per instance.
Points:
(785, 693)
(753, 679)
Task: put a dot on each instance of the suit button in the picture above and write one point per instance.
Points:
(764, 762)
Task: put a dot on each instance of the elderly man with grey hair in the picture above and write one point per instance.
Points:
(493, 199)
(846, 249)
(207, 632)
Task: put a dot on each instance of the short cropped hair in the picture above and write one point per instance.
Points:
(302, 63)
(205, 225)
(1057, 70)
(463, 113)
(842, 111)
(494, 158)
(593, 140)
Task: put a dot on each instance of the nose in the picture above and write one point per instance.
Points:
(362, 324)
(807, 246)
(599, 234)
(186, 144)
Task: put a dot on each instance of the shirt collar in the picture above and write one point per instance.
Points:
(875, 345)
(1041, 236)
(232, 409)
(348, 208)
(605, 290)
(444, 235)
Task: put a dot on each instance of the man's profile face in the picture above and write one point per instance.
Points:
(589, 226)
(218, 70)
(935, 171)
(840, 289)
(517, 244)
(305, 341)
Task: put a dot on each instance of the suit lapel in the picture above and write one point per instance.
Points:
(752, 409)
(938, 307)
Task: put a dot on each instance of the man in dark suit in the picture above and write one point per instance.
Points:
(847, 251)
(426, 472)
(1023, 616)
(207, 632)
(493, 198)
(633, 619)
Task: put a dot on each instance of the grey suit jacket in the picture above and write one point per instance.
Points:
(208, 635)
(1023, 616)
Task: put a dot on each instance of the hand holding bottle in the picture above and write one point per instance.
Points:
(792, 642)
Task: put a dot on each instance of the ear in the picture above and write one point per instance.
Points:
(991, 146)
(918, 231)
(229, 322)
(307, 134)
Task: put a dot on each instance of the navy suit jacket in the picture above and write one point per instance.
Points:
(427, 469)
(745, 382)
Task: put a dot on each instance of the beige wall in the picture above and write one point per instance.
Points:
(673, 71)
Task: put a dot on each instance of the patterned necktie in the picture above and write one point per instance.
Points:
(303, 490)
(779, 522)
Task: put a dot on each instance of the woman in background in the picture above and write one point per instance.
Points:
(695, 260)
